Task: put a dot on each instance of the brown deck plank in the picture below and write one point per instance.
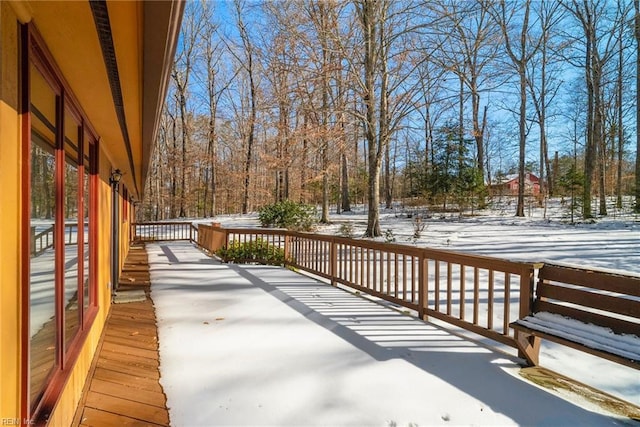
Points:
(127, 368)
(123, 386)
(142, 383)
(138, 341)
(128, 408)
(128, 359)
(97, 418)
(153, 398)
(133, 350)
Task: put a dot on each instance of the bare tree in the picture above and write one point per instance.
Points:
(600, 39)
(386, 84)
(636, 5)
(470, 41)
(520, 55)
(247, 63)
(215, 86)
(182, 68)
(314, 100)
(544, 84)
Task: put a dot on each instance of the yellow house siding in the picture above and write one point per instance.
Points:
(68, 35)
(10, 205)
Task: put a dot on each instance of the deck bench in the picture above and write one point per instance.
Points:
(593, 311)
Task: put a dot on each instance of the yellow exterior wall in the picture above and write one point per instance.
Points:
(10, 244)
(60, 24)
(10, 205)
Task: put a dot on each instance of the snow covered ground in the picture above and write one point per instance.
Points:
(223, 335)
(255, 345)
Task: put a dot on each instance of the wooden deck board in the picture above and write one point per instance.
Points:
(128, 406)
(98, 418)
(139, 370)
(153, 398)
(130, 350)
(123, 386)
(142, 383)
(139, 341)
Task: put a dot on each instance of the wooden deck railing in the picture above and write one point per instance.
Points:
(477, 293)
(43, 240)
(159, 231)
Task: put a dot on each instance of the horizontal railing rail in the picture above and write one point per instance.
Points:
(477, 293)
(161, 231)
(41, 241)
(44, 239)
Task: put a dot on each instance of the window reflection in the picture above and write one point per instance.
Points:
(86, 209)
(71, 249)
(42, 329)
(62, 159)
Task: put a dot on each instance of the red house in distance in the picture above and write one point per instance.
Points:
(507, 185)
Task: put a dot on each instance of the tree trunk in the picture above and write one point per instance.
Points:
(305, 155)
(387, 178)
(636, 4)
(373, 195)
(174, 177)
(522, 138)
(346, 203)
(369, 21)
(620, 126)
(590, 148)
(183, 163)
(248, 50)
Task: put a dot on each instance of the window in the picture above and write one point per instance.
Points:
(42, 310)
(61, 223)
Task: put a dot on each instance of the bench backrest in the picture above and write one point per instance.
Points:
(600, 298)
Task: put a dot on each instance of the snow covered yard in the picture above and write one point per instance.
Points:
(253, 345)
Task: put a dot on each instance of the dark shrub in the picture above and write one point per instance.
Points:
(288, 214)
(252, 251)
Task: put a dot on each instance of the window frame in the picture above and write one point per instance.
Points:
(35, 53)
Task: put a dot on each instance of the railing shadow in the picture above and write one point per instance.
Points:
(385, 334)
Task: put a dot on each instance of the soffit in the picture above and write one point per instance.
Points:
(69, 30)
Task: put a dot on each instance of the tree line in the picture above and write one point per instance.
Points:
(335, 102)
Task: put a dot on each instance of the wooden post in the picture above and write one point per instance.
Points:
(33, 240)
(287, 248)
(528, 345)
(422, 287)
(333, 262)
(526, 290)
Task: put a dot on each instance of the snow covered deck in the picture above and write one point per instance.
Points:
(259, 345)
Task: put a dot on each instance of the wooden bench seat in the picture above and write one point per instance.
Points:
(592, 311)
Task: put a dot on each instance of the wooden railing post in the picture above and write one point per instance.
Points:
(528, 347)
(33, 240)
(422, 287)
(333, 262)
(527, 278)
(287, 248)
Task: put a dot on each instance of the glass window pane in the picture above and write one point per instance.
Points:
(72, 250)
(86, 218)
(42, 260)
